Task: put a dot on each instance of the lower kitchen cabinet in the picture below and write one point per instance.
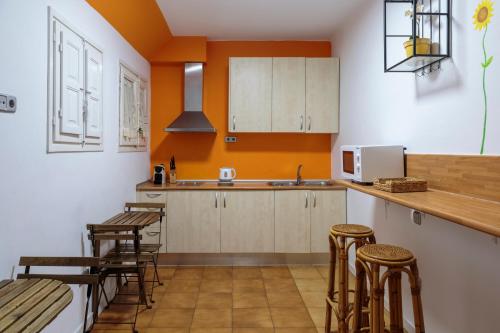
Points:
(156, 231)
(193, 222)
(247, 221)
(327, 208)
(292, 221)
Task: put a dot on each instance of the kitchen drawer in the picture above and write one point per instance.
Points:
(153, 196)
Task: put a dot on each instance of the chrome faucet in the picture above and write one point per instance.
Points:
(299, 174)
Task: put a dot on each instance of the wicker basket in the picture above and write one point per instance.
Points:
(401, 185)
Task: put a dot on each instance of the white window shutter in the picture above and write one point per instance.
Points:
(93, 91)
(128, 108)
(72, 82)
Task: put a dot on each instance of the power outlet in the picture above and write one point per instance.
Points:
(230, 139)
(8, 103)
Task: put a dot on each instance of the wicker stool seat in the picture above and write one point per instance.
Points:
(397, 260)
(342, 237)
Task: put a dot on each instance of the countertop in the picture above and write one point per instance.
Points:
(238, 185)
(479, 214)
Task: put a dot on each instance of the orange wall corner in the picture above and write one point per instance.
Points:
(181, 49)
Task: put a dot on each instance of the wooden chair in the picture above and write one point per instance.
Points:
(91, 279)
(397, 260)
(342, 237)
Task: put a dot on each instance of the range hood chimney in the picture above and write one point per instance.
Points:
(192, 118)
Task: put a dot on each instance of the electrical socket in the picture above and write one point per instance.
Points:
(230, 139)
(8, 103)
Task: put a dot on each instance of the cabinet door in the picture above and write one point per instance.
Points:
(250, 84)
(93, 92)
(322, 95)
(247, 221)
(292, 221)
(193, 222)
(327, 208)
(288, 95)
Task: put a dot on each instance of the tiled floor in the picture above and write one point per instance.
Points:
(232, 299)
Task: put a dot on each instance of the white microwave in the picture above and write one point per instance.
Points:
(362, 164)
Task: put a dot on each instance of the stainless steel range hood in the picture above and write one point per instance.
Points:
(192, 119)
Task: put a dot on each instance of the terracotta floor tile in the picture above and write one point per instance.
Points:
(275, 273)
(212, 318)
(260, 317)
(214, 301)
(246, 273)
(248, 286)
(296, 330)
(314, 298)
(318, 316)
(118, 313)
(166, 273)
(210, 330)
(165, 330)
(305, 285)
(216, 286)
(144, 317)
(249, 300)
(324, 270)
(305, 272)
(291, 317)
(285, 299)
(188, 273)
(178, 301)
(176, 318)
(183, 286)
(218, 273)
(253, 330)
(280, 285)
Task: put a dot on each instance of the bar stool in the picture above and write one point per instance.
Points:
(397, 260)
(340, 245)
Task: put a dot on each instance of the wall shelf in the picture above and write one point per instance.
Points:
(426, 21)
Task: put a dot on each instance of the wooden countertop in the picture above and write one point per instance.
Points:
(238, 186)
(479, 214)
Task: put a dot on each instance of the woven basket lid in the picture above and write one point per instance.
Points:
(386, 252)
(351, 229)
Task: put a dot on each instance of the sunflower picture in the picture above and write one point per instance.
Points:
(482, 18)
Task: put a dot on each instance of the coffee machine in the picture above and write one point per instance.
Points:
(159, 174)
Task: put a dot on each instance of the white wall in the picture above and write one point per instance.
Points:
(47, 199)
(440, 113)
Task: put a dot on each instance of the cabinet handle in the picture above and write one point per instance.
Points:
(216, 199)
(234, 123)
(301, 123)
(149, 195)
(224, 199)
(314, 200)
(152, 233)
(310, 121)
(307, 199)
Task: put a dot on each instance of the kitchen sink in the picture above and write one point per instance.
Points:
(317, 183)
(283, 183)
(189, 183)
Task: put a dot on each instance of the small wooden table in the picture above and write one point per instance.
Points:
(134, 219)
(29, 305)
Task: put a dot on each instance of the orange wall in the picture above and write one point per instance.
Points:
(181, 49)
(141, 23)
(255, 156)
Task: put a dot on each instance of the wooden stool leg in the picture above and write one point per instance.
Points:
(343, 294)
(365, 318)
(331, 285)
(377, 302)
(395, 302)
(415, 285)
(357, 323)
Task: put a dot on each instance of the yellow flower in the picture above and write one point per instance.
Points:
(483, 14)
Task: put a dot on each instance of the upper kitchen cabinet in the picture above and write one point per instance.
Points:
(250, 87)
(322, 95)
(288, 95)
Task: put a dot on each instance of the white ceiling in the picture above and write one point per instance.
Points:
(256, 19)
